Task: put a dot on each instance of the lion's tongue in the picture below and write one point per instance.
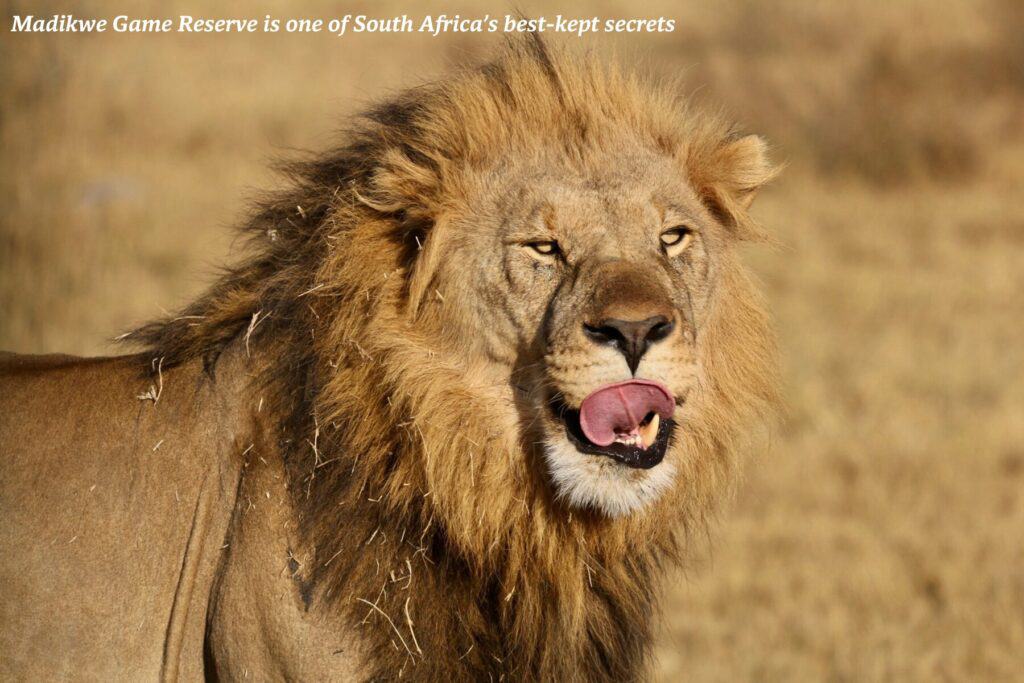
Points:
(618, 409)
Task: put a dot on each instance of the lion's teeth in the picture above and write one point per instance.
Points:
(649, 432)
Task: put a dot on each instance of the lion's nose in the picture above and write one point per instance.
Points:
(631, 337)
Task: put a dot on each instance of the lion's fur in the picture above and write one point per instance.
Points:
(409, 483)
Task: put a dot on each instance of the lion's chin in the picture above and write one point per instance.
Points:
(596, 482)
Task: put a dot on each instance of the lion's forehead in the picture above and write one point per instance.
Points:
(619, 196)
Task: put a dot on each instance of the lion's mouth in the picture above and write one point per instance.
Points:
(630, 422)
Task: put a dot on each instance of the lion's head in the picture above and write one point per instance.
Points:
(509, 312)
(585, 265)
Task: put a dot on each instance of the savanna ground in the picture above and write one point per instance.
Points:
(882, 535)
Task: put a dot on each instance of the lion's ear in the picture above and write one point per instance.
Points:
(746, 166)
(730, 177)
(407, 183)
(403, 181)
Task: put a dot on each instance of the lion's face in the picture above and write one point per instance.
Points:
(589, 289)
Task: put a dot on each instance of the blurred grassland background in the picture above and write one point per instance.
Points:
(882, 537)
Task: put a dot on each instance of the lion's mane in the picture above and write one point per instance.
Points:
(411, 491)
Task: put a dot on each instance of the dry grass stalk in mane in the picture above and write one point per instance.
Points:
(431, 304)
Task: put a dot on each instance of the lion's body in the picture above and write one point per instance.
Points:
(136, 542)
(365, 466)
(101, 525)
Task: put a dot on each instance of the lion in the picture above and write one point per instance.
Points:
(486, 366)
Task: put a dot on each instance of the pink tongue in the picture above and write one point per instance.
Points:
(619, 408)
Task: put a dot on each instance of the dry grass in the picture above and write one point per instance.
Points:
(883, 538)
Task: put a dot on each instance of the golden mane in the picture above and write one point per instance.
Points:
(500, 577)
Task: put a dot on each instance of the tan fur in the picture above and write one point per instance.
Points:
(406, 354)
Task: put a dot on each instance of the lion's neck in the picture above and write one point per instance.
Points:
(427, 611)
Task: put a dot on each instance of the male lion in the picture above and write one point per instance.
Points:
(487, 363)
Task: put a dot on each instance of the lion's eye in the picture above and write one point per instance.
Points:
(544, 249)
(676, 240)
